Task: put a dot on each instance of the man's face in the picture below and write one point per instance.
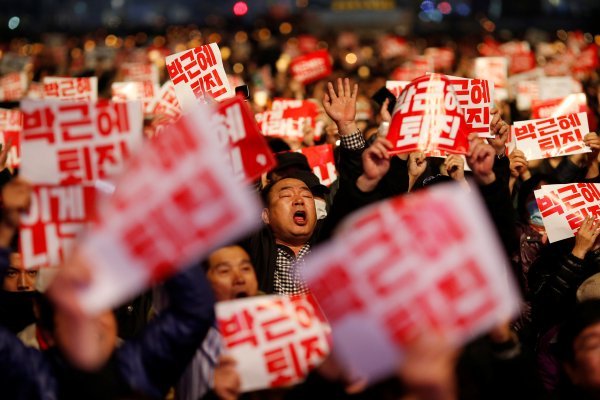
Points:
(231, 273)
(585, 370)
(19, 279)
(291, 212)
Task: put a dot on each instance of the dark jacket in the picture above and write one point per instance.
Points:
(145, 367)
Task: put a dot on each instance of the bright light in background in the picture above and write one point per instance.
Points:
(427, 5)
(444, 7)
(463, 9)
(351, 58)
(240, 8)
(14, 22)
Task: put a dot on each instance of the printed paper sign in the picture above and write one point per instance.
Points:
(417, 67)
(73, 89)
(307, 43)
(527, 92)
(138, 90)
(166, 103)
(148, 231)
(11, 126)
(443, 57)
(587, 60)
(66, 143)
(551, 137)
(564, 207)
(573, 103)
(556, 87)
(522, 62)
(198, 73)
(275, 340)
(494, 69)
(13, 86)
(393, 46)
(58, 214)
(139, 72)
(35, 91)
(427, 117)
(476, 98)
(321, 160)
(288, 118)
(247, 151)
(311, 67)
(386, 287)
(396, 87)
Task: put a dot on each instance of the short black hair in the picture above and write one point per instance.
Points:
(584, 314)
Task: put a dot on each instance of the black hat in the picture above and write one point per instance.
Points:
(310, 179)
(291, 160)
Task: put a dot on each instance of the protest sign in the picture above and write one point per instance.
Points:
(69, 143)
(13, 86)
(526, 93)
(494, 69)
(321, 160)
(139, 72)
(145, 91)
(551, 137)
(35, 91)
(58, 214)
(386, 287)
(573, 103)
(198, 73)
(73, 89)
(443, 57)
(166, 103)
(147, 231)
(11, 126)
(476, 98)
(555, 87)
(427, 117)
(288, 118)
(247, 151)
(396, 87)
(394, 46)
(564, 207)
(311, 67)
(275, 340)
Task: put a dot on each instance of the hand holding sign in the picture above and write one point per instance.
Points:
(587, 236)
(499, 129)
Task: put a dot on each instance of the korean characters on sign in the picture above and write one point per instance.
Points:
(74, 89)
(428, 117)
(11, 125)
(136, 90)
(311, 67)
(58, 214)
(564, 207)
(139, 72)
(396, 87)
(66, 143)
(551, 137)
(288, 118)
(275, 340)
(247, 151)
(573, 103)
(175, 202)
(476, 98)
(13, 86)
(198, 73)
(444, 272)
(321, 160)
(494, 69)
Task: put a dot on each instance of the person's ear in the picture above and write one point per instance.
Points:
(265, 216)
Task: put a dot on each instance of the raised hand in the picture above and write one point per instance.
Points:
(586, 237)
(500, 129)
(340, 106)
(455, 167)
(481, 160)
(519, 166)
(376, 163)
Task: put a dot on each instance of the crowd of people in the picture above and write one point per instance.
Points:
(165, 343)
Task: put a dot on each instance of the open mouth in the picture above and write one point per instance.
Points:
(300, 217)
(241, 295)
